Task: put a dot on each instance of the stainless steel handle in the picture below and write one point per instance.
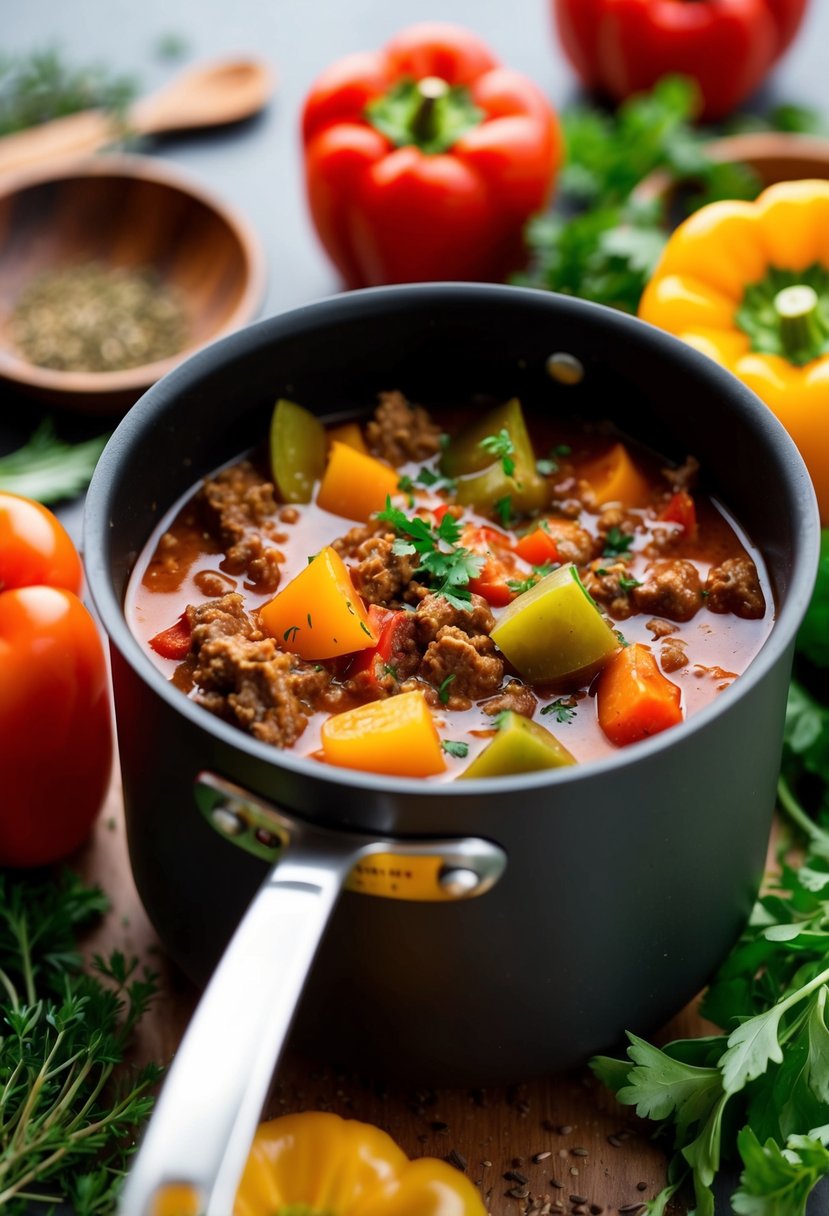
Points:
(200, 1133)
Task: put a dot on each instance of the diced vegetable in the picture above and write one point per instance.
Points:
(297, 451)
(554, 631)
(396, 736)
(615, 478)
(521, 746)
(319, 615)
(498, 568)
(481, 481)
(355, 485)
(537, 548)
(387, 625)
(634, 699)
(680, 510)
(350, 434)
(174, 641)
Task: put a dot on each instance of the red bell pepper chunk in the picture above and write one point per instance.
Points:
(173, 642)
(498, 568)
(680, 510)
(386, 624)
(538, 548)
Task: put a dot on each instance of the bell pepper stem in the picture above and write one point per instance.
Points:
(430, 88)
(802, 329)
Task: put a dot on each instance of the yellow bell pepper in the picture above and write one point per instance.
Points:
(317, 1164)
(319, 615)
(748, 285)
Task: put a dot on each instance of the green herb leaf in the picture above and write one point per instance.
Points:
(501, 447)
(47, 469)
(503, 509)
(454, 748)
(778, 1181)
(564, 709)
(443, 690)
(617, 543)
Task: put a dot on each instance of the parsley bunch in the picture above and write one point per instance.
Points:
(47, 469)
(448, 565)
(761, 1088)
(67, 1122)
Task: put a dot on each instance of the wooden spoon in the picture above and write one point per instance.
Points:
(219, 92)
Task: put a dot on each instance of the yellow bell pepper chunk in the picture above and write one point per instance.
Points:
(316, 1162)
(350, 434)
(615, 478)
(319, 615)
(396, 736)
(521, 746)
(297, 442)
(355, 485)
(554, 631)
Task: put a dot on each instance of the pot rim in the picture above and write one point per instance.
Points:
(370, 302)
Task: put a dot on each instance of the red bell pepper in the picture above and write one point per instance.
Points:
(680, 510)
(386, 624)
(728, 46)
(538, 548)
(499, 566)
(174, 642)
(425, 159)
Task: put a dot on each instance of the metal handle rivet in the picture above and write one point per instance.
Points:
(457, 881)
(227, 821)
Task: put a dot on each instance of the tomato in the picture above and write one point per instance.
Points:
(499, 567)
(174, 642)
(55, 728)
(35, 547)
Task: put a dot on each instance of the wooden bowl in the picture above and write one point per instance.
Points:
(124, 212)
(774, 156)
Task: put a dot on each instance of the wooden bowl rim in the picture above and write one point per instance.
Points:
(753, 148)
(149, 169)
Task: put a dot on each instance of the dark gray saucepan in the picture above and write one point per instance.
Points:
(626, 881)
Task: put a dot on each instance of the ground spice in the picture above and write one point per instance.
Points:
(90, 318)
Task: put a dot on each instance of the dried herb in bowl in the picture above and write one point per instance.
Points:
(90, 318)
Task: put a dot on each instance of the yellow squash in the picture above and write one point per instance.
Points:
(317, 1164)
(748, 285)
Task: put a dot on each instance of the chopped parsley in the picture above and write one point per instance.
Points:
(503, 509)
(501, 447)
(290, 633)
(308, 619)
(448, 565)
(365, 628)
(454, 748)
(622, 639)
(546, 468)
(617, 543)
(389, 669)
(500, 719)
(519, 585)
(562, 449)
(564, 709)
(443, 690)
(627, 584)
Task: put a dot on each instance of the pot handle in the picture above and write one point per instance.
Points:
(197, 1142)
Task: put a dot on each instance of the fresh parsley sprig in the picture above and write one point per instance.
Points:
(448, 565)
(501, 447)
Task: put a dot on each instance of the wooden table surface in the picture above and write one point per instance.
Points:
(568, 1146)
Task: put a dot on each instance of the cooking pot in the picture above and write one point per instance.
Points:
(486, 930)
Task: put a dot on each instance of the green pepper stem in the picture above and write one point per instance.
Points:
(430, 88)
(802, 329)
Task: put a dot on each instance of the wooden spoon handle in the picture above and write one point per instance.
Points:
(76, 134)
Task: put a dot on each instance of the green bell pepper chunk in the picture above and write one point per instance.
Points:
(554, 631)
(482, 481)
(297, 441)
(521, 746)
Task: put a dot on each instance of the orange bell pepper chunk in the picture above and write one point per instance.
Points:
(680, 509)
(355, 485)
(635, 700)
(538, 548)
(396, 736)
(319, 615)
(350, 434)
(615, 478)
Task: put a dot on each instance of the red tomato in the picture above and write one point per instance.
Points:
(35, 547)
(174, 642)
(55, 730)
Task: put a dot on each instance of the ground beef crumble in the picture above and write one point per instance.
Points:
(379, 574)
(672, 655)
(516, 697)
(472, 661)
(734, 586)
(239, 509)
(400, 431)
(604, 580)
(671, 589)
